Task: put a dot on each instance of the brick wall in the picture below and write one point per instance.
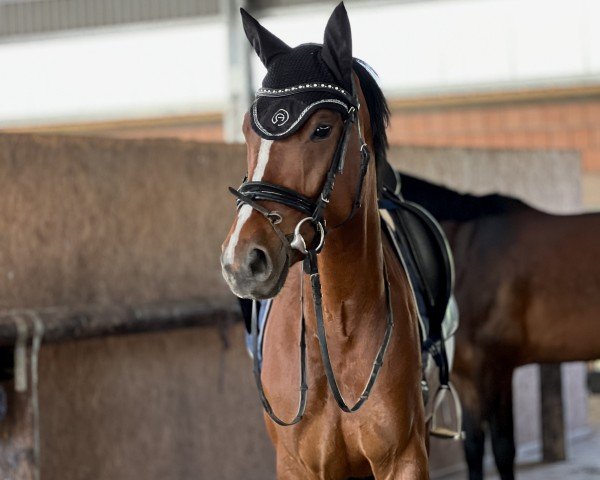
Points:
(539, 123)
(572, 125)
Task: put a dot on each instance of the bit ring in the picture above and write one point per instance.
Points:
(298, 242)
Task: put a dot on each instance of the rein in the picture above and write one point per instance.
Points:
(250, 193)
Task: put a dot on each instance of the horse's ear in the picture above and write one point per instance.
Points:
(266, 45)
(337, 46)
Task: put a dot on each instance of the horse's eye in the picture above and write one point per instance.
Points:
(321, 132)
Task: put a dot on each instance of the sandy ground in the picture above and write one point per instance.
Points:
(583, 457)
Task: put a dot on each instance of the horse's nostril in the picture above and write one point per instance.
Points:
(258, 262)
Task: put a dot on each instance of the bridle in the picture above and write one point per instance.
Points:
(252, 192)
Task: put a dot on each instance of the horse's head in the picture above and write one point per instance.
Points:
(303, 129)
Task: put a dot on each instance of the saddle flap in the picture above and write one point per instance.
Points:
(426, 255)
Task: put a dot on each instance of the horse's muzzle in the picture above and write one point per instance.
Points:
(255, 274)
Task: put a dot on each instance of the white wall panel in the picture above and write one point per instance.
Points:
(417, 48)
(142, 72)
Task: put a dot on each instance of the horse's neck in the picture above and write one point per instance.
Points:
(351, 269)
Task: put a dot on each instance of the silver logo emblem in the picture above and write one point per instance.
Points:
(280, 117)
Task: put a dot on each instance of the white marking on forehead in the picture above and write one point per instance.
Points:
(246, 210)
(263, 158)
(243, 215)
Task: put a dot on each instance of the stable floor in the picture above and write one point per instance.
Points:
(583, 457)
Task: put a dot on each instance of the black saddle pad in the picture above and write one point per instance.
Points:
(426, 256)
(421, 242)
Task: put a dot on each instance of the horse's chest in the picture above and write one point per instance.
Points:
(340, 441)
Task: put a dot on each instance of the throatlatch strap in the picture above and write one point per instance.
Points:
(365, 156)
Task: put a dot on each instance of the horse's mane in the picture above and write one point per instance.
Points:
(449, 205)
(379, 111)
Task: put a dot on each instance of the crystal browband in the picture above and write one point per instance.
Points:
(306, 87)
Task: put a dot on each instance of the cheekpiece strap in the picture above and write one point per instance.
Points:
(336, 167)
(310, 263)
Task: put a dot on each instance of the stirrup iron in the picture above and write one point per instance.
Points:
(449, 425)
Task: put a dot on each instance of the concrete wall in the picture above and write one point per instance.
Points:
(159, 406)
(548, 180)
(94, 221)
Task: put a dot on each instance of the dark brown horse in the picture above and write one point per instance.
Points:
(528, 290)
(292, 146)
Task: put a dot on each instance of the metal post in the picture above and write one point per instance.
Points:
(553, 431)
(240, 73)
(19, 426)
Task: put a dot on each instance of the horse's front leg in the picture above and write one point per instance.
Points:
(410, 464)
(289, 468)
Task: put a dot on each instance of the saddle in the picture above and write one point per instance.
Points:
(422, 247)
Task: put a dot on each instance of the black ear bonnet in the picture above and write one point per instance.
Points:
(301, 80)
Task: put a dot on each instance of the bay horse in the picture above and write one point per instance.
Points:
(528, 290)
(315, 121)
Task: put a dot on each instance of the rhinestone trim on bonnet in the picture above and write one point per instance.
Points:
(265, 92)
